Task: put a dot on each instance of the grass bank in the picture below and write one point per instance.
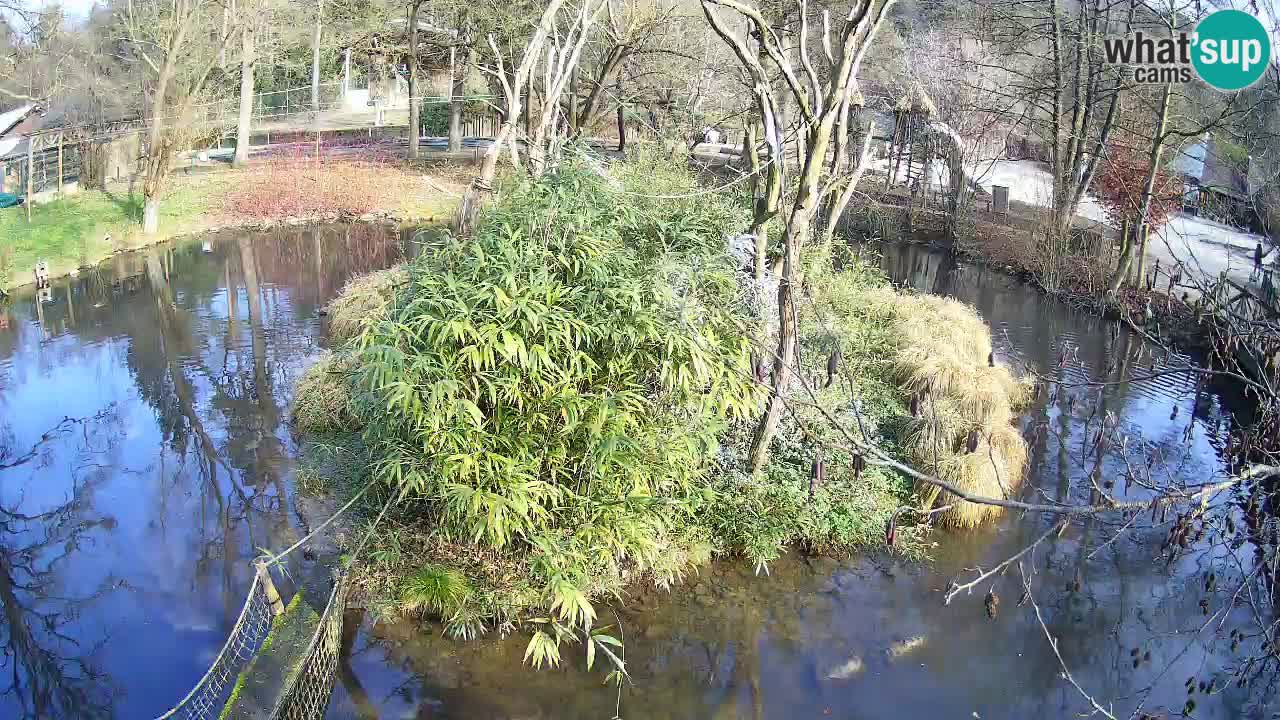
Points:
(564, 404)
(84, 228)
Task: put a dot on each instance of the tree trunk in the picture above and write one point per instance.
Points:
(150, 215)
(243, 125)
(415, 113)
(157, 165)
(572, 101)
(799, 229)
(622, 127)
(527, 113)
(786, 355)
(590, 107)
(315, 57)
(1141, 268)
(766, 202)
(1148, 190)
(457, 92)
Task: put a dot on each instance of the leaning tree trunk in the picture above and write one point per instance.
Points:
(851, 185)
(243, 124)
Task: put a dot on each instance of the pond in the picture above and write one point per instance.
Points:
(126, 535)
(869, 637)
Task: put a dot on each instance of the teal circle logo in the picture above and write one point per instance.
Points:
(1232, 50)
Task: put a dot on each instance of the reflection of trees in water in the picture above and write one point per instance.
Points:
(47, 668)
(211, 341)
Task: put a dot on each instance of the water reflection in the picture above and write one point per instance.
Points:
(124, 538)
(869, 637)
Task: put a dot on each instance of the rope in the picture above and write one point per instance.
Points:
(275, 559)
(374, 526)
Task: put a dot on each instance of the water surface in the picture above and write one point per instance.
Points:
(125, 537)
(126, 534)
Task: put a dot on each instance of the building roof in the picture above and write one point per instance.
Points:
(1189, 161)
(11, 118)
(1222, 175)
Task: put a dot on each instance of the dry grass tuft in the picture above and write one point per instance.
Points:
(365, 299)
(936, 433)
(323, 400)
(977, 473)
(942, 357)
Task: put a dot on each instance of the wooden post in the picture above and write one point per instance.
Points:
(269, 587)
(31, 164)
(346, 73)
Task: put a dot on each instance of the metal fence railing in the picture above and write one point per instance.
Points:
(306, 696)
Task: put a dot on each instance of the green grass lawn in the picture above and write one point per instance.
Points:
(87, 227)
(84, 228)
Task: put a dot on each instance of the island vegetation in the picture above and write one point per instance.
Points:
(563, 402)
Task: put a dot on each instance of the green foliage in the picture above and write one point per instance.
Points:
(564, 401)
(433, 119)
(436, 589)
(761, 516)
(556, 384)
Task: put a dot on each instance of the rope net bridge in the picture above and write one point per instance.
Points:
(291, 679)
(308, 681)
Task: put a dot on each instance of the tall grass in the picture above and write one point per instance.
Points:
(941, 357)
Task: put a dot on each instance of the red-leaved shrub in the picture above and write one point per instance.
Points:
(296, 183)
(1120, 184)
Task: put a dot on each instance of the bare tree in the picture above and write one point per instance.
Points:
(564, 49)
(514, 80)
(631, 28)
(316, 37)
(179, 43)
(415, 105)
(248, 60)
(822, 101)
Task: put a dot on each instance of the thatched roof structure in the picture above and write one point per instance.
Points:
(916, 100)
